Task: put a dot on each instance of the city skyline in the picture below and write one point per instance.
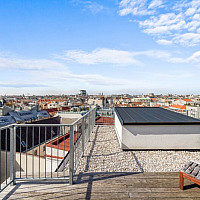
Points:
(114, 47)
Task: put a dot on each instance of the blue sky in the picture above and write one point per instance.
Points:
(110, 46)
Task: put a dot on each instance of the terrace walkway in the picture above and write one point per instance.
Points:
(106, 172)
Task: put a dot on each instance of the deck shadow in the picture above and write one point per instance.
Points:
(187, 187)
(91, 151)
(96, 176)
(93, 177)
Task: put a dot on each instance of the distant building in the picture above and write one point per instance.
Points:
(83, 93)
(2, 102)
(10, 116)
(95, 101)
(151, 95)
(105, 103)
(6, 120)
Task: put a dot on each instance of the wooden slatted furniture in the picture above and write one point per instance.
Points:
(190, 171)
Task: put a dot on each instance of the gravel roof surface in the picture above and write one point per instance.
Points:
(103, 154)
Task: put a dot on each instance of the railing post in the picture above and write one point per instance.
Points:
(71, 160)
(89, 126)
(83, 135)
(94, 117)
(12, 154)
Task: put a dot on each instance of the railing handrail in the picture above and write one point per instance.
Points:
(7, 126)
(26, 133)
(83, 116)
(35, 125)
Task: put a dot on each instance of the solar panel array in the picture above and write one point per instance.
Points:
(149, 115)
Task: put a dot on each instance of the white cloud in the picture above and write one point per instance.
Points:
(171, 58)
(28, 64)
(176, 60)
(136, 7)
(187, 39)
(173, 76)
(44, 74)
(196, 16)
(98, 56)
(180, 26)
(126, 58)
(93, 7)
(16, 84)
(190, 11)
(55, 78)
(195, 57)
(164, 24)
(164, 42)
(155, 4)
(157, 54)
(49, 73)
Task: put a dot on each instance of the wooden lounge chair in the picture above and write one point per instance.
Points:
(190, 171)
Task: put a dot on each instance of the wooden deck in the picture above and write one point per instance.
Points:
(122, 185)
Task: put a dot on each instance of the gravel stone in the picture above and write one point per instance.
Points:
(103, 154)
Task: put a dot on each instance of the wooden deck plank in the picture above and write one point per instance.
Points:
(109, 186)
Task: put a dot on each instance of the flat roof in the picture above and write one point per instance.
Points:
(152, 116)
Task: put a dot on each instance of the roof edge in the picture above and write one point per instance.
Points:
(119, 116)
(163, 123)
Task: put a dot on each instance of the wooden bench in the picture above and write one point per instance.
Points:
(190, 171)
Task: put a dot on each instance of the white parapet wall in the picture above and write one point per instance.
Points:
(159, 136)
(118, 129)
(55, 152)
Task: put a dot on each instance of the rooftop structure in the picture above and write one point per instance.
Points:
(83, 93)
(149, 115)
(156, 128)
(6, 120)
(23, 116)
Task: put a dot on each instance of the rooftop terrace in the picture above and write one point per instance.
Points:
(107, 172)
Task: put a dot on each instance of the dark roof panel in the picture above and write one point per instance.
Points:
(149, 115)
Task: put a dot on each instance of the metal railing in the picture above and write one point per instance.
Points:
(7, 156)
(105, 116)
(106, 112)
(43, 151)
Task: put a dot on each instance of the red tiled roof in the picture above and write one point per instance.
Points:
(137, 103)
(62, 142)
(179, 108)
(51, 110)
(105, 120)
(65, 108)
(188, 100)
